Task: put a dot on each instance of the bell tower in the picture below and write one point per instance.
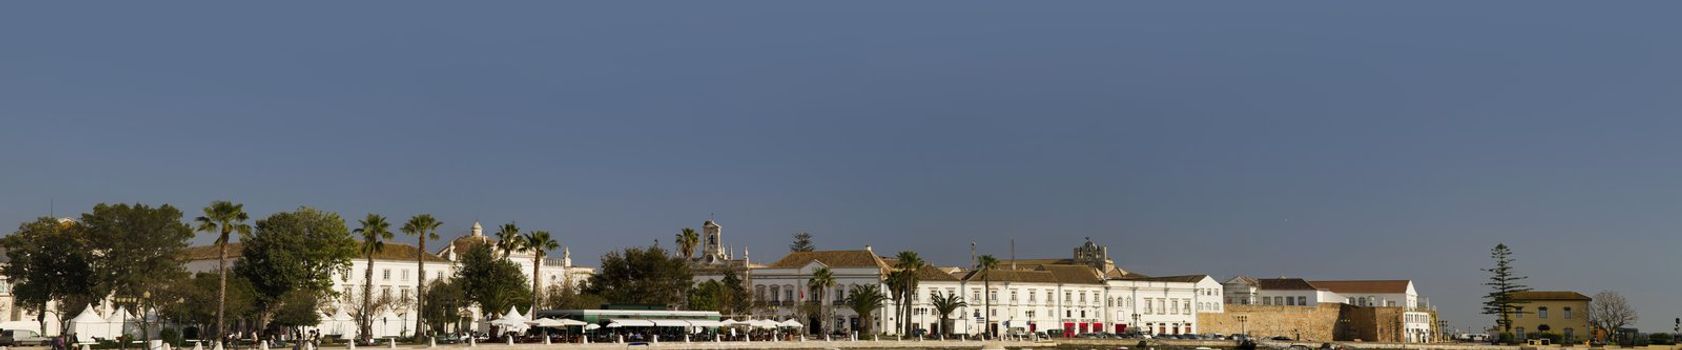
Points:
(713, 249)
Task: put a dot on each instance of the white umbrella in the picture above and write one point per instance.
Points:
(790, 324)
(730, 322)
(592, 326)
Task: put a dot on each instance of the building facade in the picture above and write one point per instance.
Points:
(1564, 313)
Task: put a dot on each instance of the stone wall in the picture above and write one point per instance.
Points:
(1308, 322)
(1327, 321)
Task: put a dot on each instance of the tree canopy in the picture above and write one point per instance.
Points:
(49, 261)
(139, 247)
(295, 252)
(491, 282)
(644, 276)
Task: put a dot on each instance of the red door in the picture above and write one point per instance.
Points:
(1097, 327)
(1120, 329)
(1083, 328)
(1032, 327)
(1068, 329)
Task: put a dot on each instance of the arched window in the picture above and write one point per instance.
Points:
(776, 292)
(759, 292)
(1541, 312)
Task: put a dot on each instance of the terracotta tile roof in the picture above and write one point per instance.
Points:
(1080, 274)
(1550, 295)
(1284, 284)
(931, 273)
(1184, 278)
(1366, 286)
(392, 251)
(831, 258)
(1007, 275)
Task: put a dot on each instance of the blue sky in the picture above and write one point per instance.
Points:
(1328, 140)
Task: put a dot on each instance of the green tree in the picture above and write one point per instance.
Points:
(297, 309)
(907, 265)
(425, 227)
(986, 264)
(646, 276)
(820, 283)
(737, 300)
(139, 249)
(540, 243)
(1503, 282)
(686, 242)
(294, 252)
(802, 243)
(492, 283)
(49, 260)
(509, 240)
(444, 304)
(945, 305)
(374, 231)
(201, 289)
(225, 219)
(864, 300)
(566, 296)
(707, 295)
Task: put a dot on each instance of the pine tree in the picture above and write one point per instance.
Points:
(1503, 282)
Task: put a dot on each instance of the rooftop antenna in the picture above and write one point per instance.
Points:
(972, 261)
(1012, 253)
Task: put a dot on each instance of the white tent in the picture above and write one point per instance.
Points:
(513, 314)
(387, 324)
(790, 324)
(89, 325)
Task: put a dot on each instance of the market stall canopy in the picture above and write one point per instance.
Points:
(706, 323)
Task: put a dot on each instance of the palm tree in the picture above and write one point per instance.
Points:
(896, 287)
(426, 227)
(822, 280)
(864, 300)
(540, 244)
(986, 264)
(945, 305)
(908, 263)
(686, 241)
(224, 218)
(508, 240)
(375, 231)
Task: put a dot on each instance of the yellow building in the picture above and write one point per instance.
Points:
(1558, 312)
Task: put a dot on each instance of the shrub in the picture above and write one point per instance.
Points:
(1661, 339)
(170, 335)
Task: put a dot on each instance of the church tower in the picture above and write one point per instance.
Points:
(713, 250)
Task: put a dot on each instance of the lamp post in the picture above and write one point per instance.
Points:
(1136, 323)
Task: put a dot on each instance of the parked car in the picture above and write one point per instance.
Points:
(1282, 338)
(21, 337)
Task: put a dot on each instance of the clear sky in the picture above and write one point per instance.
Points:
(1329, 140)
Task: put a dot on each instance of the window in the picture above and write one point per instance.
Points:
(1291, 301)
(1031, 294)
(1148, 306)
(1518, 312)
(1160, 306)
(1013, 295)
(1067, 296)
(405, 274)
(1302, 300)
(386, 274)
(1568, 315)
(1542, 312)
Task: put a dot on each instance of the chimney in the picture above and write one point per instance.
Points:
(867, 248)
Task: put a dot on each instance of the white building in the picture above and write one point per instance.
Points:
(396, 274)
(1063, 297)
